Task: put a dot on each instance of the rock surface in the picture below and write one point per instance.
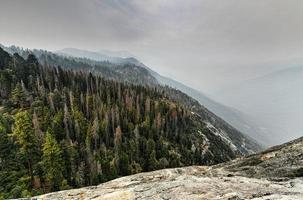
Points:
(273, 174)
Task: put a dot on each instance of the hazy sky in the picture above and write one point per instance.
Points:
(206, 44)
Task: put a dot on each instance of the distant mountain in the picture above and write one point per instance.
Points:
(273, 101)
(120, 54)
(231, 115)
(102, 55)
(122, 70)
(234, 117)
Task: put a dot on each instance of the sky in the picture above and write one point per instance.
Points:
(206, 44)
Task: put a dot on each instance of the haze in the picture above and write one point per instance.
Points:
(210, 45)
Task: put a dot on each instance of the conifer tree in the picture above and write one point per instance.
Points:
(18, 96)
(25, 137)
(97, 129)
(52, 162)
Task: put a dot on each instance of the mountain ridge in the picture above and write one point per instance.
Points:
(241, 141)
(230, 115)
(67, 128)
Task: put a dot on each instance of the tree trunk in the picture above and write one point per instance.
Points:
(30, 168)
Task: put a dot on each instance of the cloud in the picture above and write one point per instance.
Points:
(208, 38)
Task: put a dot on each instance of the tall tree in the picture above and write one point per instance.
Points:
(52, 162)
(18, 96)
(25, 137)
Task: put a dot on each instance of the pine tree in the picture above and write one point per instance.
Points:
(123, 164)
(18, 96)
(52, 162)
(106, 128)
(25, 137)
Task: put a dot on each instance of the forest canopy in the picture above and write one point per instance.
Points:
(62, 129)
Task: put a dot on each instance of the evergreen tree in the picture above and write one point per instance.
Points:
(96, 129)
(52, 162)
(25, 137)
(18, 96)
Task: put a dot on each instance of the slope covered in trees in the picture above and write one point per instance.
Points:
(63, 129)
(126, 70)
(130, 70)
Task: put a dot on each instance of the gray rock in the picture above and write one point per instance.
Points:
(275, 174)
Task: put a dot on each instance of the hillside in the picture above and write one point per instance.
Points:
(65, 129)
(123, 70)
(274, 174)
(232, 116)
(131, 70)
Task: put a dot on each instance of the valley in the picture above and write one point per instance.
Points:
(151, 100)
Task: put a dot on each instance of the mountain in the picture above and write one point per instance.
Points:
(232, 116)
(102, 55)
(121, 71)
(214, 109)
(276, 113)
(273, 101)
(133, 71)
(84, 54)
(120, 54)
(238, 119)
(67, 128)
(270, 175)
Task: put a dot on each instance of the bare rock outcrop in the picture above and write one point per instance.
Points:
(274, 174)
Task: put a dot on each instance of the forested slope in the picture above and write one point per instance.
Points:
(130, 70)
(126, 70)
(64, 129)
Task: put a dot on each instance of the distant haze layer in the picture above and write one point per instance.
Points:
(206, 44)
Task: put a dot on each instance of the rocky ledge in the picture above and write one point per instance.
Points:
(273, 174)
